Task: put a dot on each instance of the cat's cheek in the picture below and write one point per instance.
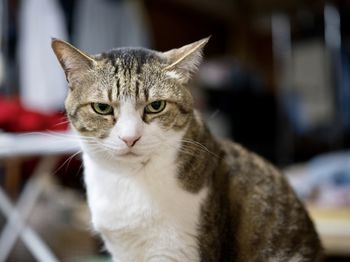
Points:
(91, 126)
(174, 120)
(181, 122)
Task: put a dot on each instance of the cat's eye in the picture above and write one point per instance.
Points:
(155, 107)
(102, 109)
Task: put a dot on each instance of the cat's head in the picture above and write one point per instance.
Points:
(129, 103)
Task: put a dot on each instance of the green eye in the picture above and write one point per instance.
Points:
(102, 109)
(155, 107)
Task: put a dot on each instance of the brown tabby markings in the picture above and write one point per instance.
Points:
(261, 216)
(251, 213)
(125, 74)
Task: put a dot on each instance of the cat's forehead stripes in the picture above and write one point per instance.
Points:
(126, 67)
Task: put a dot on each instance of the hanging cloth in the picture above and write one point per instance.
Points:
(103, 25)
(42, 82)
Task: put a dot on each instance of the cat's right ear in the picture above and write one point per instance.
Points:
(71, 58)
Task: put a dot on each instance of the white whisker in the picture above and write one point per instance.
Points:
(68, 160)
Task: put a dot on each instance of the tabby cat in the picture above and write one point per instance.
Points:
(160, 187)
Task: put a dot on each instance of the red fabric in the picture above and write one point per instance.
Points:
(15, 118)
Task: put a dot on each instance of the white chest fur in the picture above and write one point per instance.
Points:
(142, 213)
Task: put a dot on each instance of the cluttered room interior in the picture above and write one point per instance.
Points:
(275, 78)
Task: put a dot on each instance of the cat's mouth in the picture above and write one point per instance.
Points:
(128, 153)
(131, 154)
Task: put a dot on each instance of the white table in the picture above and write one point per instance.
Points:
(14, 147)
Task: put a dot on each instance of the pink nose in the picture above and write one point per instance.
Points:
(130, 141)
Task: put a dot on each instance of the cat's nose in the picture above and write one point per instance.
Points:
(130, 141)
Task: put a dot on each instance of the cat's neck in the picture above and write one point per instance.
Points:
(198, 156)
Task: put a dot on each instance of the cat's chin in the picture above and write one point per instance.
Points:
(132, 160)
(129, 155)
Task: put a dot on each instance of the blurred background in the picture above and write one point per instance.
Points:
(276, 78)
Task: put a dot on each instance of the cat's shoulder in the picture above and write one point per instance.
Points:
(246, 169)
(237, 156)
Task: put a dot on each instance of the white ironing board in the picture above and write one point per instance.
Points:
(49, 147)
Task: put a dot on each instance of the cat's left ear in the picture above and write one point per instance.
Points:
(184, 61)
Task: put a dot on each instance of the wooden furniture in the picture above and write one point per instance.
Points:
(333, 225)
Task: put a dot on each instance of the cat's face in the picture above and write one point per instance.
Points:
(129, 104)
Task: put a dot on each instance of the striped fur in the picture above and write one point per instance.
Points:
(179, 194)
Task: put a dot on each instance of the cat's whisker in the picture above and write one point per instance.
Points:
(193, 149)
(181, 149)
(199, 145)
(62, 123)
(192, 145)
(97, 147)
(63, 117)
(187, 152)
(57, 141)
(194, 142)
(109, 146)
(68, 160)
(105, 147)
(80, 167)
(63, 136)
(100, 150)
